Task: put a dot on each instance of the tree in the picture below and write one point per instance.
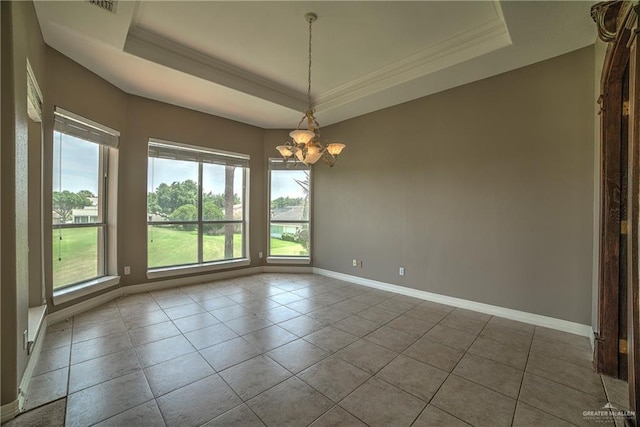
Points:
(64, 202)
(211, 212)
(86, 193)
(285, 202)
(185, 213)
(168, 198)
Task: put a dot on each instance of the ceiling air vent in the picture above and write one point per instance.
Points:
(108, 5)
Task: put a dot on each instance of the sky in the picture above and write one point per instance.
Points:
(80, 165)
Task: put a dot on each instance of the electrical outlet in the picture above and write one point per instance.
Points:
(401, 271)
(260, 255)
(127, 270)
(355, 262)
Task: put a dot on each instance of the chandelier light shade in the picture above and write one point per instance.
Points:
(305, 146)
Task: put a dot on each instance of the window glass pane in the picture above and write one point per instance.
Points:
(75, 255)
(76, 180)
(222, 241)
(289, 195)
(172, 190)
(289, 239)
(222, 189)
(170, 245)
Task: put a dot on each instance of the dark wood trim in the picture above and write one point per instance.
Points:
(633, 207)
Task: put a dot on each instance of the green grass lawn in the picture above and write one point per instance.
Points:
(166, 247)
(74, 256)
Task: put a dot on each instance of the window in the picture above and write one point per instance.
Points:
(196, 209)
(80, 164)
(289, 208)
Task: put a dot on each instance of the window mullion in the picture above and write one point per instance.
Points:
(200, 226)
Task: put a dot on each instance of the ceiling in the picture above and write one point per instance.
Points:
(247, 61)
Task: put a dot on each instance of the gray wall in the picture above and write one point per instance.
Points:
(482, 192)
(21, 39)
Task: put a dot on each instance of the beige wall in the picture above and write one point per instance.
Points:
(21, 39)
(482, 192)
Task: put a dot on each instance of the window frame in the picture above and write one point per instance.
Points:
(288, 259)
(107, 141)
(201, 265)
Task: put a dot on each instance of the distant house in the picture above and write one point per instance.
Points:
(290, 213)
(85, 215)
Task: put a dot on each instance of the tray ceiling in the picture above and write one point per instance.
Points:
(247, 60)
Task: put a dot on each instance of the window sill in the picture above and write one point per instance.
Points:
(194, 269)
(288, 260)
(73, 292)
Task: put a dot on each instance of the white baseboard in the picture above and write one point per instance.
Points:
(286, 269)
(9, 411)
(520, 316)
(192, 280)
(83, 306)
(32, 362)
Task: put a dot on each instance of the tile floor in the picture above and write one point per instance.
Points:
(297, 350)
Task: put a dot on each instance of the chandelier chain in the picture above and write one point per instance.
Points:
(309, 81)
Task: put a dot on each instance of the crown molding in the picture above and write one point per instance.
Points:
(467, 45)
(152, 47)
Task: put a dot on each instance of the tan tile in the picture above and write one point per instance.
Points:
(290, 403)
(46, 388)
(337, 417)
(351, 306)
(434, 417)
(58, 337)
(476, 315)
(411, 325)
(226, 354)
(434, 354)
(500, 352)
(514, 337)
(90, 331)
(334, 377)
(330, 338)
(175, 373)
(417, 378)
(397, 306)
(184, 310)
(378, 315)
(366, 355)
(378, 403)
(49, 415)
(269, 338)
(163, 350)
(197, 321)
(286, 298)
(473, 403)
(329, 314)
(146, 414)
(104, 400)
(496, 376)
(302, 325)
(211, 335)
(583, 379)
(247, 324)
(435, 306)
(428, 315)
(617, 391)
(451, 337)
(53, 359)
(240, 416)
(141, 319)
(527, 416)
(463, 323)
(557, 399)
(279, 314)
(391, 338)
(562, 351)
(174, 301)
(254, 376)
(198, 402)
(356, 326)
(217, 304)
(298, 355)
(101, 369)
(564, 337)
(151, 333)
(512, 324)
(101, 346)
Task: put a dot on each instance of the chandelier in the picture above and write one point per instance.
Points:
(305, 145)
